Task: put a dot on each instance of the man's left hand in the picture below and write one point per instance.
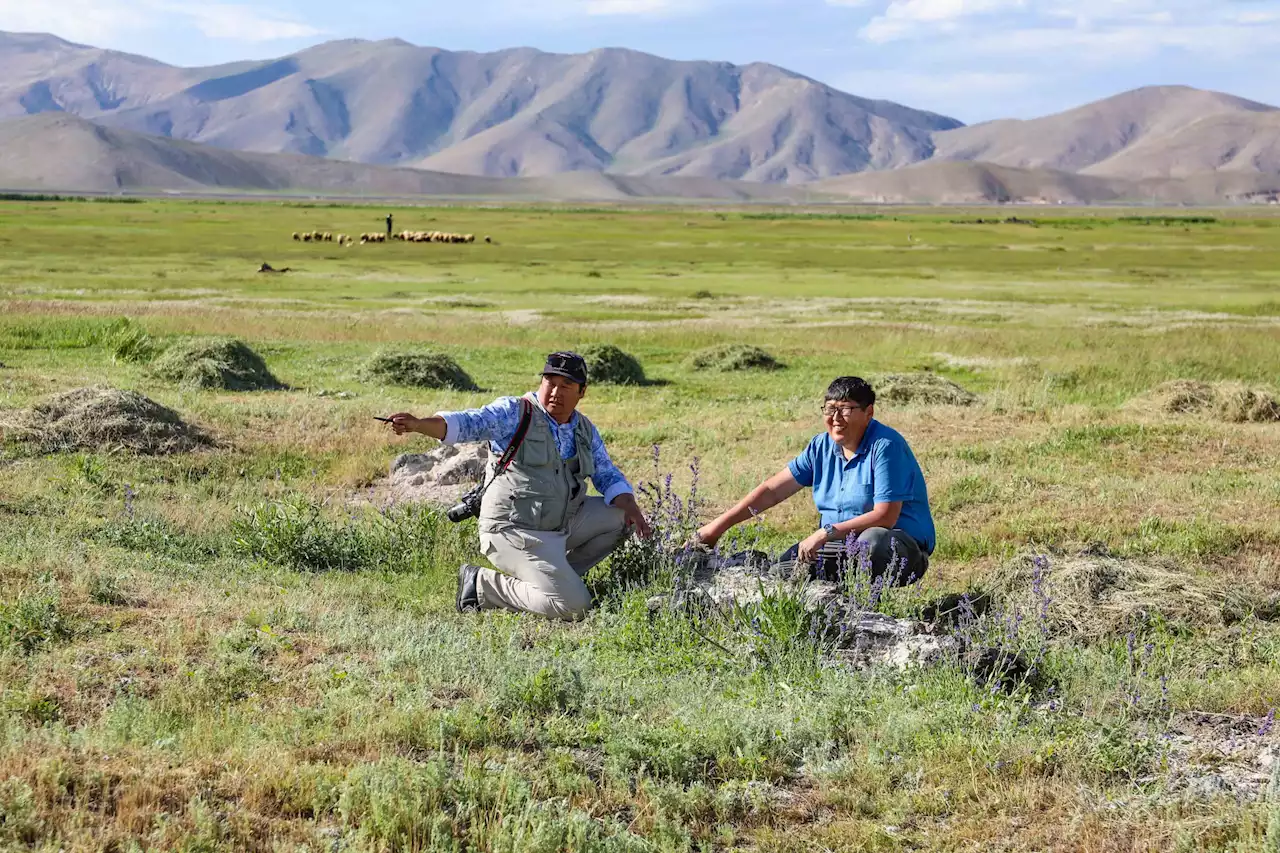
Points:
(810, 547)
(635, 519)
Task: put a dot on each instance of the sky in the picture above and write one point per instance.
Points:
(970, 59)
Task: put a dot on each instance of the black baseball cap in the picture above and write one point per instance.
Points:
(567, 364)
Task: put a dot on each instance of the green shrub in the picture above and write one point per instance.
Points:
(215, 363)
(35, 620)
(552, 689)
(106, 589)
(731, 357)
(158, 536)
(20, 822)
(296, 533)
(399, 805)
(606, 364)
(130, 342)
(419, 370)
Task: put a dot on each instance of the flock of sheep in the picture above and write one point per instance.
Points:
(435, 237)
(322, 237)
(379, 237)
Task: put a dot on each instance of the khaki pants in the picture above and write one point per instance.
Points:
(544, 569)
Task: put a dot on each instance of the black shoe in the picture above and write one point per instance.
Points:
(468, 599)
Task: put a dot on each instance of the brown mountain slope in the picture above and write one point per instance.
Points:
(1247, 142)
(514, 112)
(971, 183)
(980, 183)
(1148, 122)
(59, 152)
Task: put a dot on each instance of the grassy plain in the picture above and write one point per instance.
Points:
(182, 667)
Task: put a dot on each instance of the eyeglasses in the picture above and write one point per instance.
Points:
(845, 412)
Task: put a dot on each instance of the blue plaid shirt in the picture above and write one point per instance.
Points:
(497, 423)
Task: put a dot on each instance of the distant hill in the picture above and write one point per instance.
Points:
(609, 123)
(969, 183)
(1168, 131)
(59, 152)
(516, 112)
(986, 183)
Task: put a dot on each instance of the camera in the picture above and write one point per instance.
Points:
(468, 507)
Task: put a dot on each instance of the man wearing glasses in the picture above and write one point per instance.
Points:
(866, 485)
(536, 522)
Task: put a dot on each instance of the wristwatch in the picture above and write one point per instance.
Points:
(832, 533)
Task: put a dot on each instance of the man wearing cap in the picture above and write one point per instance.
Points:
(537, 523)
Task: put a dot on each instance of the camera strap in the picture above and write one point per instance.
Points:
(509, 455)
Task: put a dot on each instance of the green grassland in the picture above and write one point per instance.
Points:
(230, 649)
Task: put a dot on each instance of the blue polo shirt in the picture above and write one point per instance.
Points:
(884, 470)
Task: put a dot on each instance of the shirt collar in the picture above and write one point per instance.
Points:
(862, 445)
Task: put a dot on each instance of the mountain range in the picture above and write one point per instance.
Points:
(363, 116)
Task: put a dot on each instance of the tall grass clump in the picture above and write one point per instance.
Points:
(418, 370)
(609, 365)
(400, 805)
(299, 534)
(215, 363)
(35, 620)
(129, 342)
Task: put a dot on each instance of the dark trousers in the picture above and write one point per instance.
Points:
(882, 553)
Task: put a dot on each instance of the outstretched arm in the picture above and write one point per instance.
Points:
(770, 493)
(433, 426)
(495, 422)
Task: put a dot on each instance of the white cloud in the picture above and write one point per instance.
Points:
(631, 7)
(1024, 26)
(99, 21)
(904, 18)
(242, 23)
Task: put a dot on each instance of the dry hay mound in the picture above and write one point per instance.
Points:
(218, 363)
(1247, 405)
(733, 357)
(1093, 596)
(1182, 397)
(611, 366)
(1229, 402)
(928, 389)
(108, 419)
(418, 369)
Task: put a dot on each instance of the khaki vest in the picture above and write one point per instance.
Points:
(540, 491)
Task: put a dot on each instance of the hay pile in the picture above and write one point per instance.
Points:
(611, 366)
(218, 363)
(730, 357)
(418, 369)
(104, 418)
(1247, 405)
(1226, 401)
(1096, 596)
(927, 389)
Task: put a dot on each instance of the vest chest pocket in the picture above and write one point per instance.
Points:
(536, 449)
